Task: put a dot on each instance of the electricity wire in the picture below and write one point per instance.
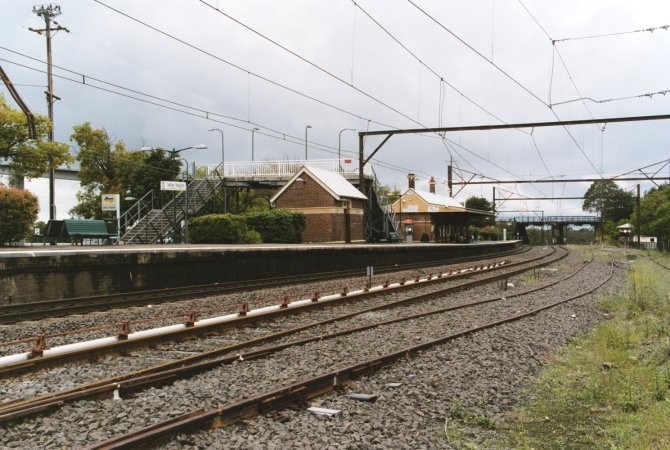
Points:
(630, 97)
(514, 80)
(218, 58)
(620, 33)
(194, 47)
(291, 139)
(430, 69)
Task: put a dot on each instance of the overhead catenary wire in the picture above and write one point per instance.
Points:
(86, 80)
(506, 74)
(615, 99)
(197, 112)
(618, 33)
(164, 33)
(250, 73)
(423, 63)
(218, 58)
(231, 64)
(442, 81)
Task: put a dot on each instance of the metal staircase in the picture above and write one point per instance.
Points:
(382, 219)
(153, 219)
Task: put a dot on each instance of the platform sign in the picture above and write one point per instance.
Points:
(110, 202)
(173, 186)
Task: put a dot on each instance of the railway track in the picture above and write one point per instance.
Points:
(58, 308)
(291, 392)
(187, 367)
(473, 276)
(308, 388)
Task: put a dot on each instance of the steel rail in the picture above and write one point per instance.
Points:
(58, 308)
(243, 320)
(169, 372)
(659, 263)
(303, 390)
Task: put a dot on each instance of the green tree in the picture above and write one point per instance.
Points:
(609, 200)
(387, 195)
(250, 200)
(110, 168)
(18, 212)
(480, 204)
(655, 213)
(28, 157)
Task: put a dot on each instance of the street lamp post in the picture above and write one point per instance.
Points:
(252, 141)
(223, 170)
(308, 126)
(223, 151)
(339, 144)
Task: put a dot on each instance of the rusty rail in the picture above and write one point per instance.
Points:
(59, 308)
(300, 391)
(168, 372)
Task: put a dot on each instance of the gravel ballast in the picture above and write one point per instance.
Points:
(483, 370)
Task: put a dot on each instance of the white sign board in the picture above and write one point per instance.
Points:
(110, 202)
(173, 186)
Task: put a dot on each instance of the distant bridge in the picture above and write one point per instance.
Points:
(559, 225)
(61, 174)
(567, 220)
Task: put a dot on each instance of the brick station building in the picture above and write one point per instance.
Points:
(333, 207)
(427, 216)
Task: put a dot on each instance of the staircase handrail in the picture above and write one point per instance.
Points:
(136, 212)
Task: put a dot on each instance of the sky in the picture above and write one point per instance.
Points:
(161, 73)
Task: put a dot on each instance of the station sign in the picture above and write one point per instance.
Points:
(173, 185)
(110, 202)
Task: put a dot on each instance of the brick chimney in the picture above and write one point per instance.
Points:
(431, 185)
(411, 178)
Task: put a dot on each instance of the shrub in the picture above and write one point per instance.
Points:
(251, 237)
(18, 212)
(489, 233)
(277, 226)
(218, 229)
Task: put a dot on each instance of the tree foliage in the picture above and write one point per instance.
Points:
(18, 212)
(655, 213)
(26, 157)
(609, 200)
(387, 195)
(481, 204)
(110, 168)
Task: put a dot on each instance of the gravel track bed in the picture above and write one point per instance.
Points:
(482, 373)
(89, 421)
(76, 373)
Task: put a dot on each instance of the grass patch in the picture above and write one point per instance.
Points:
(611, 388)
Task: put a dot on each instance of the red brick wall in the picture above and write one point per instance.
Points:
(307, 194)
(328, 225)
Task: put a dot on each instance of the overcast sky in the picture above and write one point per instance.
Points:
(471, 63)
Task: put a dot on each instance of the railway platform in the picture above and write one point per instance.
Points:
(30, 274)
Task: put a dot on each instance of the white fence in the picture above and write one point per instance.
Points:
(279, 170)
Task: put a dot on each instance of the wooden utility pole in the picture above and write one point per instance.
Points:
(48, 13)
